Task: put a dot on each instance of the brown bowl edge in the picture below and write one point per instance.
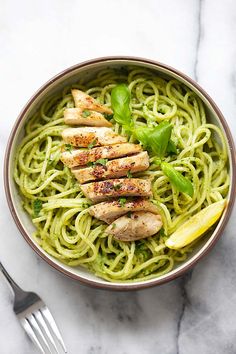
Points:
(125, 286)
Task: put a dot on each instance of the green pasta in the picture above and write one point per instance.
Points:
(53, 198)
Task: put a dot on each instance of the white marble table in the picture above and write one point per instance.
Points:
(194, 314)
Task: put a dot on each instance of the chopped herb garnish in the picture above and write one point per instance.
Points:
(68, 147)
(86, 113)
(162, 232)
(161, 110)
(117, 187)
(129, 174)
(113, 226)
(98, 162)
(129, 214)
(108, 116)
(122, 201)
(101, 162)
(92, 144)
(85, 205)
(37, 206)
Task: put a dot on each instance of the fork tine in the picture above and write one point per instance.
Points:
(32, 321)
(47, 314)
(43, 324)
(31, 334)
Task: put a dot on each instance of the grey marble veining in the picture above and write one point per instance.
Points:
(193, 314)
(199, 37)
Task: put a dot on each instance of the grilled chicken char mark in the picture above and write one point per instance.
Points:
(111, 210)
(82, 157)
(84, 101)
(113, 188)
(78, 116)
(138, 225)
(113, 169)
(84, 136)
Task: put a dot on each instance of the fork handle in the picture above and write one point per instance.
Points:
(16, 289)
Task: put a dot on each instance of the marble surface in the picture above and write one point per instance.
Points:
(194, 314)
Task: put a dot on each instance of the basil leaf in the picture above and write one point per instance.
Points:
(142, 134)
(157, 161)
(156, 139)
(120, 101)
(180, 182)
(159, 138)
(37, 206)
(171, 147)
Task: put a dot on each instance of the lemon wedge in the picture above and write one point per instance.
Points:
(196, 225)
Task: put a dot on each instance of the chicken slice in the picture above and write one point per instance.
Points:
(112, 169)
(77, 116)
(138, 225)
(111, 210)
(84, 101)
(82, 157)
(111, 188)
(84, 136)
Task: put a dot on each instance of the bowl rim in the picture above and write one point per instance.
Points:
(121, 286)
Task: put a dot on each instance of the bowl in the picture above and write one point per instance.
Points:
(88, 69)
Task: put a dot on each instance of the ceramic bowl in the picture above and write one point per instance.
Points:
(88, 69)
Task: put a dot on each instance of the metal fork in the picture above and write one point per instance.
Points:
(36, 318)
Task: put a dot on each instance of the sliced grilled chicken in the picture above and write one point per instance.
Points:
(138, 225)
(84, 101)
(112, 169)
(82, 157)
(111, 188)
(82, 137)
(111, 210)
(77, 116)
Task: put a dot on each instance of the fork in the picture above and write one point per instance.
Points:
(35, 318)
